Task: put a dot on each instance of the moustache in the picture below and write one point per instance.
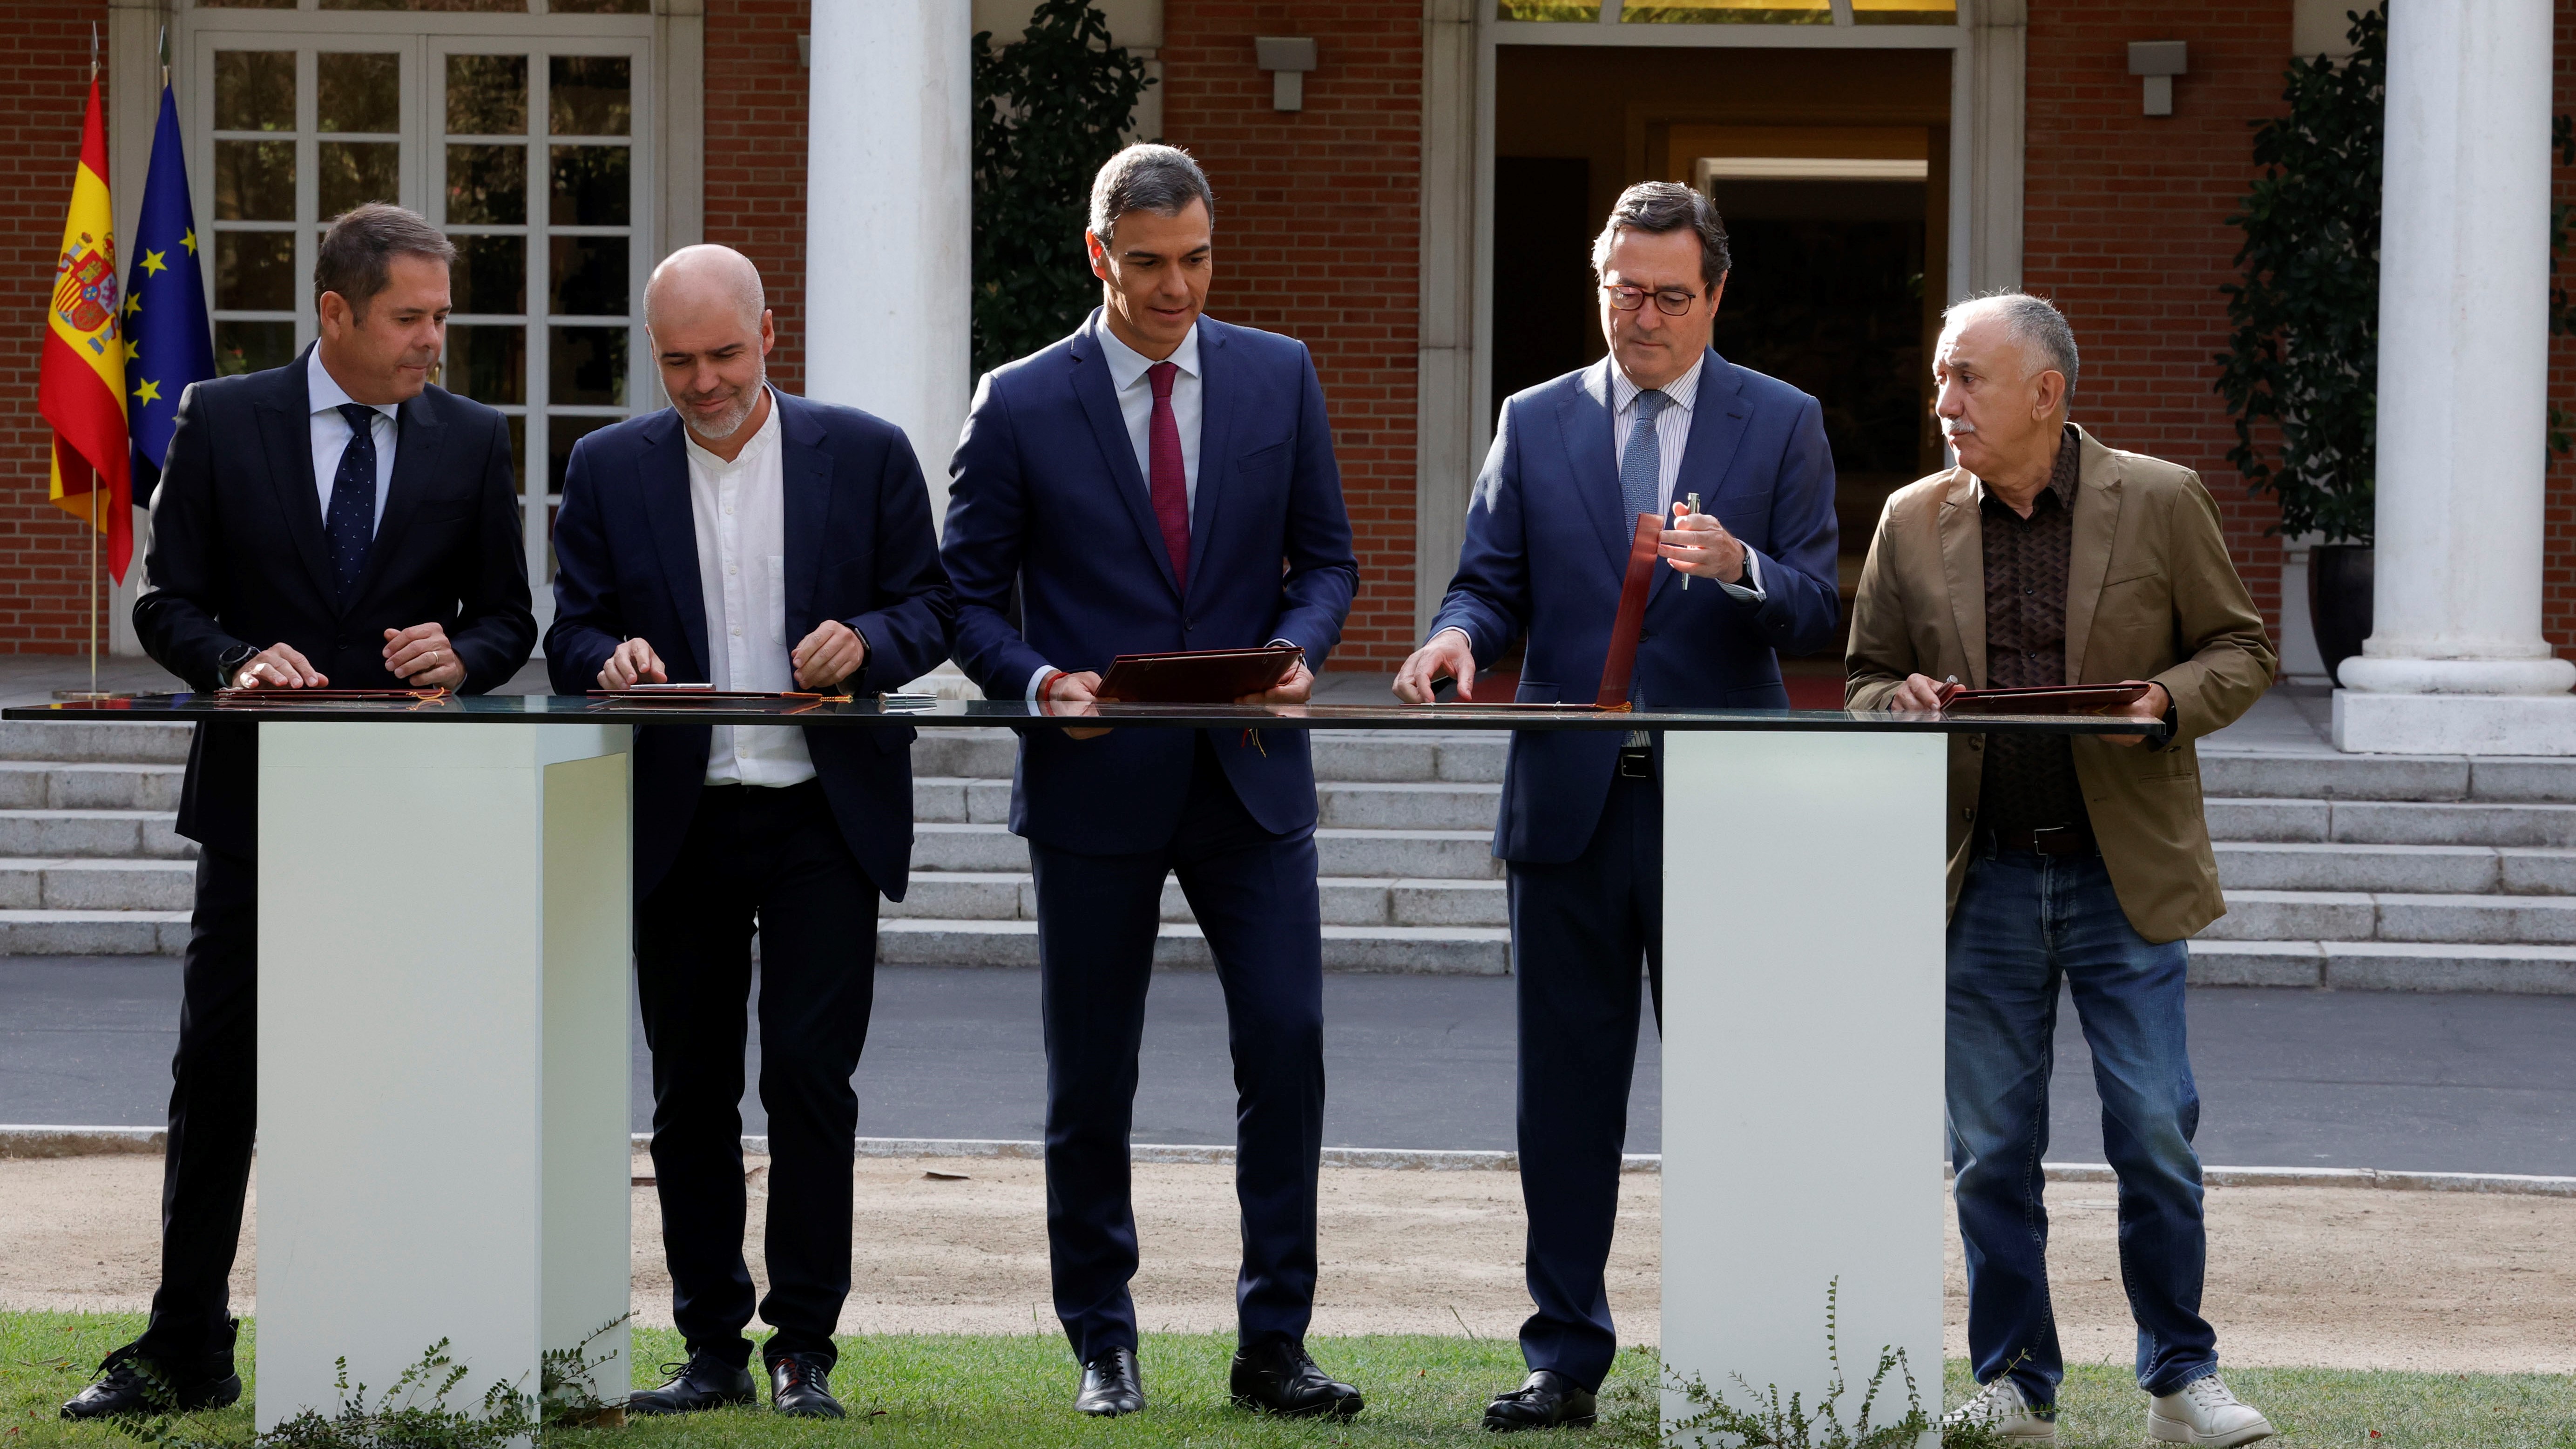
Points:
(1959, 429)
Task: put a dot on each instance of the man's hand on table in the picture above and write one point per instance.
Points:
(421, 657)
(1297, 688)
(1446, 656)
(832, 653)
(1071, 694)
(630, 664)
(1920, 694)
(2151, 706)
(278, 666)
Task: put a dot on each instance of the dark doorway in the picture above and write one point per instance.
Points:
(1542, 269)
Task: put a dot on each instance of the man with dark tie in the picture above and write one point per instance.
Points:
(1574, 462)
(751, 540)
(1161, 480)
(335, 522)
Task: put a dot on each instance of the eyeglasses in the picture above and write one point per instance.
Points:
(1671, 301)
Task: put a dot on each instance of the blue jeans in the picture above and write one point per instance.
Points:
(2023, 922)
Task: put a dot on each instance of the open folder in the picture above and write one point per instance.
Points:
(1197, 676)
(2041, 699)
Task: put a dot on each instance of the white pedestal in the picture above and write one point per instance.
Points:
(2454, 724)
(1803, 909)
(443, 942)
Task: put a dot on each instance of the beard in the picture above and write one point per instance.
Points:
(729, 422)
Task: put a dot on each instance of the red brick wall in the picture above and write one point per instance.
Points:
(44, 76)
(1318, 221)
(2125, 227)
(755, 158)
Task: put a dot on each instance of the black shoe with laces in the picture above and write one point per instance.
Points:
(704, 1382)
(800, 1386)
(1547, 1400)
(1277, 1377)
(131, 1386)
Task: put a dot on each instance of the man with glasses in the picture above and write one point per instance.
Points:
(1660, 421)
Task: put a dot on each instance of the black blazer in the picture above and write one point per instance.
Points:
(239, 556)
(859, 549)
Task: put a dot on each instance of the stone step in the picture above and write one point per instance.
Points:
(2488, 920)
(152, 834)
(2325, 776)
(2385, 966)
(1377, 854)
(2418, 869)
(92, 933)
(1012, 896)
(82, 742)
(1423, 950)
(75, 884)
(2391, 822)
(59, 785)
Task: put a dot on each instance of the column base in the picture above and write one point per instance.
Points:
(2454, 724)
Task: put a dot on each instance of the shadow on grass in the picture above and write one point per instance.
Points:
(1017, 1391)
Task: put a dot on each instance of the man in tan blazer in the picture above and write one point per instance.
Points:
(2046, 558)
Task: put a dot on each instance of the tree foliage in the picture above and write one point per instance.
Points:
(2303, 343)
(1049, 109)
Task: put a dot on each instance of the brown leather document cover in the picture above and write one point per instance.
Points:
(327, 696)
(1621, 666)
(2041, 699)
(1197, 676)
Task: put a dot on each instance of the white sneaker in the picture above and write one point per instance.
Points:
(2205, 1412)
(1999, 1406)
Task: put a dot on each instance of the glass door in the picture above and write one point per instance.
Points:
(523, 147)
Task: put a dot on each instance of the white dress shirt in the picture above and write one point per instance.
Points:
(740, 509)
(331, 434)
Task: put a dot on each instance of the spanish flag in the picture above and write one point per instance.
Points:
(80, 386)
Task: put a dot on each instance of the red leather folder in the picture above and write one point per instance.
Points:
(1621, 666)
(327, 696)
(1197, 676)
(2041, 699)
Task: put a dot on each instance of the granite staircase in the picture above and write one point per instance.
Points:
(89, 862)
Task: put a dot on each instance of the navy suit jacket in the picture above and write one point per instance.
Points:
(1045, 492)
(239, 556)
(1547, 551)
(859, 549)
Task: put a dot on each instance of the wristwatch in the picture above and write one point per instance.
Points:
(229, 663)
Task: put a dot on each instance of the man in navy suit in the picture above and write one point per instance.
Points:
(336, 522)
(1158, 481)
(1574, 462)
(751, 540)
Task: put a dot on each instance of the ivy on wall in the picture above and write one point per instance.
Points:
(1049, 109)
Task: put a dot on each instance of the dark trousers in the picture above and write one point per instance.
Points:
(1577, 931)
(772, 859)
(214, 1112)
(1255, 896)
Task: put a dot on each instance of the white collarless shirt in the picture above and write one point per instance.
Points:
(740, 509)
(330, 433)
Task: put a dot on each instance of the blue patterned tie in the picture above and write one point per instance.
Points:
(352, 518)
(1641, 467)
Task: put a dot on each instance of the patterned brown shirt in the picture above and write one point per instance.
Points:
(2029, 780)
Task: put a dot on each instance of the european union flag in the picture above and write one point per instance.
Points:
(168, 344)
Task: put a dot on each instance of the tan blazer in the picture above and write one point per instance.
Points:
(2150, 594)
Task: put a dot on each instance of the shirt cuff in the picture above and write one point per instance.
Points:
(1038, 679)
(1751, 589)
(1453, 629)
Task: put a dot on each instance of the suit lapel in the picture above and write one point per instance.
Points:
(286, 438)
(1963, 569)
(1091, 383)
(1583, 421)
(1216, 433)
(2088, 550)
(805, 471)
(663, 478)
(1717, 425)
(418, 439)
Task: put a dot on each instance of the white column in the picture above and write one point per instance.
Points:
(2456, 662)
(889, 213)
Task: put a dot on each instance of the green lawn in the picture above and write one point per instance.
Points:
(923, 1391)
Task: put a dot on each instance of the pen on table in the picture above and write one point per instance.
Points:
(1694, 507)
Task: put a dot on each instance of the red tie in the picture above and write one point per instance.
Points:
(1171, 480)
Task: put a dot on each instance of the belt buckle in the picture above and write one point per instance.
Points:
(1636, 763)
(2040, 844)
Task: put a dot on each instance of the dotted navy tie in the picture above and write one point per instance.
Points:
(352, 517)
(1641, 485)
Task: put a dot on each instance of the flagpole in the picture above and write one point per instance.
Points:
(97, 480)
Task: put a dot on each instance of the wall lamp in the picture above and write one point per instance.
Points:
(1287, 58)
(2159, 61)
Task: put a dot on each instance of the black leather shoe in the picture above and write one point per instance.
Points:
(130, 1386)
(1111, 1386)
(1547, 1400)
(1277, 1377)
(800, 1386)
(704, 1382)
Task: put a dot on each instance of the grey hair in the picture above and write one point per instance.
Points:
(356, 254)
(1667, 206)
(2034, 325)
(1146, 177)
